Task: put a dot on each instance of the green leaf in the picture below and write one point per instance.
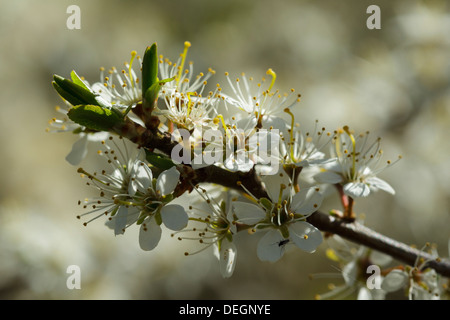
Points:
(151, 95)
(77, 80)
(149, 67)
(94, 117)
(159, 160)
(74, 93)
(266, 203)
(66, 96)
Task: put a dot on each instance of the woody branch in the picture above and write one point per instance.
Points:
(353, 231)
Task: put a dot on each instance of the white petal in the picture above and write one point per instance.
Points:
(364, 294)
(238, 162)
(379, 258)
(377, 183)
(141, 176)
(248, 213)
(275, 122)
(332, 165)
(149, 234)
(356, 189)
(315, 160)
(306, 201)
(328, 177)
(394, 281)
(273, 184)
(227, 258)
(78, 152)
(174, 217)
(247, 123)
(269, 248)
(98, 136)
(349, 272)
(120, 220)
(305, 236)
(167, 181)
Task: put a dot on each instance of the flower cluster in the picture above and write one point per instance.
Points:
(164, 135)
(129, 194)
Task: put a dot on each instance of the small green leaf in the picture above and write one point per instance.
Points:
(74, 93)
(167, 198)
(149, 67)
(77, 80)
(67, 96)
(159, 160)
(151, 95)
(266, 203)
(94, 117)
(158, 217)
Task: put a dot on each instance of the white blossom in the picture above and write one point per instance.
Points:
(356, 166)
(214, 226)
(261, 104)
(283, 216)
(119, 89)
(130, 195)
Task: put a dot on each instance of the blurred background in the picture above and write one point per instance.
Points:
(394, 82)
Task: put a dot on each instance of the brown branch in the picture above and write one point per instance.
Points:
(352, 231)
(363, 235)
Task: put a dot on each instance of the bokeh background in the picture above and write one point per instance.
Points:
(394, 82)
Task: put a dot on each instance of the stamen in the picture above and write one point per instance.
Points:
(274, 76)
(187, 44)
(133, 54)
(291, 132)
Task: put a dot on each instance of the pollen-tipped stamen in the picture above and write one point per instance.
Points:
(187, 44)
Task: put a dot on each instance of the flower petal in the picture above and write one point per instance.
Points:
(270, 121)
(120, 220)
(305, 236)
(394, 281)
(141, 176)
(149, 234)
(78, 152)
(98, 136)
(377, 183)
(350, 272)
(248, 213)
(356, 189)
(167, 181)
(227, 259)
(273, 184)
(328, 177)
(238, 161)
(174, 217)
(306, 201)
(379, 258)
(269, 248)
(364, 294)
